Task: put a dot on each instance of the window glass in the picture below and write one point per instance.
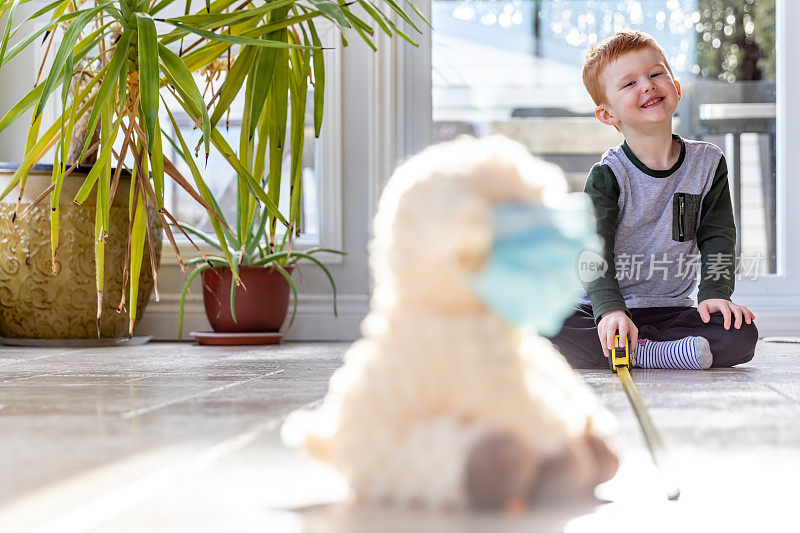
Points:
(222, 179)
(514, 67)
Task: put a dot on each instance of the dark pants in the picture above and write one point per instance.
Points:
(579, 343)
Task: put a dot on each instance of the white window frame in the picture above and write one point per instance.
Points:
(400, 99)
(787, 279)
(327, 163)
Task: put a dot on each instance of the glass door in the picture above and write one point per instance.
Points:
(514, 67)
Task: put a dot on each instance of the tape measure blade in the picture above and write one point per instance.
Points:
(654, 443)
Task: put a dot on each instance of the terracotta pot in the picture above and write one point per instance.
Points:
(34, 303)
(262, 307)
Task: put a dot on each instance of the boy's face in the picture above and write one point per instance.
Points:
(639, 91)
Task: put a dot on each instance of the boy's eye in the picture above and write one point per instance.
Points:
(628, 84)
(656, 74)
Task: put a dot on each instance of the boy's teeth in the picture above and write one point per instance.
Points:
(652, 102)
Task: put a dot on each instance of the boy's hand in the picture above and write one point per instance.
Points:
(706, 307)
(612, 322)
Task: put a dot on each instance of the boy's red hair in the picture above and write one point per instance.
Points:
(607, 51)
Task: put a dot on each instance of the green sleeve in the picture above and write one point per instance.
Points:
(603, 189)
(716, 234)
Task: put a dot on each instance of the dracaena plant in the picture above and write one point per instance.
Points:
(111, 64)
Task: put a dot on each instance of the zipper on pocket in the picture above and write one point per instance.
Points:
(681, 209)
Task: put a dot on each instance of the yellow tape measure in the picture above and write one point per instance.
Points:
(621, 356)
(621, 360)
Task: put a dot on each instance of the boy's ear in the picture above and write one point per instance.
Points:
(678, 86)
(605, 115)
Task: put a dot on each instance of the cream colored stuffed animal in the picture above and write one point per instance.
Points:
(443, 403)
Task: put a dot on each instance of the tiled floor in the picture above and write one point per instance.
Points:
(178, 437)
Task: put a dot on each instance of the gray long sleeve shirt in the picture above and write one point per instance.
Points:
(660, 227)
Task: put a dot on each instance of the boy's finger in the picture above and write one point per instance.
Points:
(634, 338)
(602, 336)
(726, 313)
(738, 314)
(610, 338)
(703, 313)
(623, 333)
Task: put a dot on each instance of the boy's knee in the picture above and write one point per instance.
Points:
(735, 346)
(576, 354)
(578, 342)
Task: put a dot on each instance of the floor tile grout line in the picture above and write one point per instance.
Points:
(146, 410)
(93, 513)
(12, 361)
(23, 378)
(151, 375)
(139, 378)
(782, 393)
(64, 351)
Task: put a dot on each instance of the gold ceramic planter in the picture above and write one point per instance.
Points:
(34, 303)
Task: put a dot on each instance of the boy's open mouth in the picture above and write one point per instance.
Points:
(652, 102)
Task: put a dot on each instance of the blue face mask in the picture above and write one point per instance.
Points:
(531, 277)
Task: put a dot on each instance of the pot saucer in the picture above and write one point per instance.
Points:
(212, 338)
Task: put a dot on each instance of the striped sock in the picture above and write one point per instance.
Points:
(689, 353)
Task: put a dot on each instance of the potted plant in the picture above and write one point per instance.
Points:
(126, 56)
(255, 308)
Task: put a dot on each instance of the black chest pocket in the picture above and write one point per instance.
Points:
(685, 210)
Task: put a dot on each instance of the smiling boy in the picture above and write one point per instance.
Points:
(662, 203)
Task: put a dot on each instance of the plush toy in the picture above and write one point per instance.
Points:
(446, 401)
